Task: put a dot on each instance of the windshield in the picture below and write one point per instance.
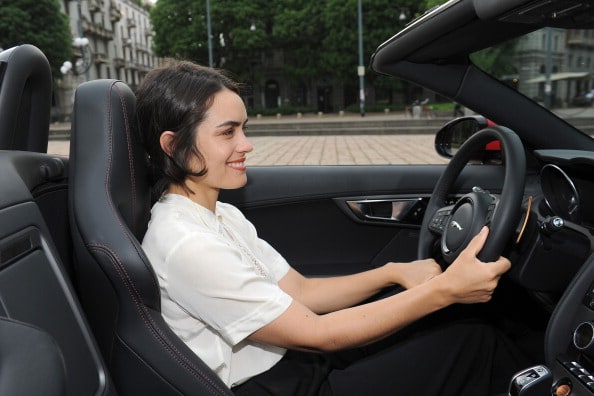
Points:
(552, 66)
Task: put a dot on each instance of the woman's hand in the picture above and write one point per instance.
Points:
(470, 280)
(409, 275)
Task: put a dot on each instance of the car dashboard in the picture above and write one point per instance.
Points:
(556, 234)
(553, 258)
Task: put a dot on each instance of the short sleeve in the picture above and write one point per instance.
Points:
(213, 282)
(278, 265)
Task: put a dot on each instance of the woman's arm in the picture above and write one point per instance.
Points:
(323, 295)
(467, 280)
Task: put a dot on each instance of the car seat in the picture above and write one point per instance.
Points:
(25, 99)
(28, 352)
(109, 212)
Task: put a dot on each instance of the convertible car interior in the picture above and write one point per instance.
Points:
(79, 301)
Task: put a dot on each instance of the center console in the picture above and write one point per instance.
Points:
(569, 344)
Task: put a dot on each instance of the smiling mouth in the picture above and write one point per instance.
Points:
(239, 165)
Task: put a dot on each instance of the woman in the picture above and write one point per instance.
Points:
(240, 306)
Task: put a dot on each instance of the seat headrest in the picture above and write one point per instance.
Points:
(110, 151)
(25, 99)
(110, 193)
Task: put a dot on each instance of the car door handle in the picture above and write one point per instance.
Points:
(407, 211)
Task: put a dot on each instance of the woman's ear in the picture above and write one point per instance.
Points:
(166, 142)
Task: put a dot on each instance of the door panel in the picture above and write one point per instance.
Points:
(302, 211)
(35, 288)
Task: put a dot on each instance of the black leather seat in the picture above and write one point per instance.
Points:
(31, 360)
(46, 348)
(25, 99)
(109, 210)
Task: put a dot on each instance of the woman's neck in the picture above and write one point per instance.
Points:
(208, 199)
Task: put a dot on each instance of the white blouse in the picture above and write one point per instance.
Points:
(219, 284)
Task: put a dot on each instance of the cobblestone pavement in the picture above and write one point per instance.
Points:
(330, 150)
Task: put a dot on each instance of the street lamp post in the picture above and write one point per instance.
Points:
(81, 65)
(361, 67)
(209, 34)
(548, 87)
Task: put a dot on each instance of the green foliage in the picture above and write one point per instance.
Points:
(181, 30)
(319, 39)
(40, 23)
(497, 60)
(299, 29)
(433, 3)
(242, 35)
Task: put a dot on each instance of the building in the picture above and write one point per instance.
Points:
(112, 39)
(556, 65)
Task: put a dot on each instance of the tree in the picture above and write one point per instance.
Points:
(299, 30)
(40, 23)
(242, 34)
(239, 29)
(318, 39)
(180, 27)
(497, 60)
(381, 20)
(433, 3)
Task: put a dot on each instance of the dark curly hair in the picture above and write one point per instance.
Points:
(176, 98)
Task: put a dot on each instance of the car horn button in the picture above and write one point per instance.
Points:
(457, 229)
(469, 214)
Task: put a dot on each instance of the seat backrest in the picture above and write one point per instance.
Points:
(109, 211)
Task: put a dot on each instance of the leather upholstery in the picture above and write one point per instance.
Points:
(25, 99)
(31, 361)
(109, 210)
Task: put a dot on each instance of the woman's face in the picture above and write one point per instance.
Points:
(221, 140)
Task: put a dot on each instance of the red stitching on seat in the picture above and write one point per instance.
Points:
(130, 153)
(123, 227)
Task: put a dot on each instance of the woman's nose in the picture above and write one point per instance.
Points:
(245, 146)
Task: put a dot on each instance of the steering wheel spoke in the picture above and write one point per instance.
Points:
(491, 210)
(440, 220)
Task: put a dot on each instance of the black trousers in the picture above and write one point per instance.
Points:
(463, 358)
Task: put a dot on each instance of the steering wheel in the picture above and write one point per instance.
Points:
(457, 224)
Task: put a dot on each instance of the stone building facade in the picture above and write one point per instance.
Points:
(112, 39)
(555, 62)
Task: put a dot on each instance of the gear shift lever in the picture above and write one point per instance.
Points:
(536, 380)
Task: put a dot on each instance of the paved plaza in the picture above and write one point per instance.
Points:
(339, 141)
(329, 150)
(332, 142)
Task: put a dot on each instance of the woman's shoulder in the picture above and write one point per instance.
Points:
(181, 216)
(227, 208)
(231, 214)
